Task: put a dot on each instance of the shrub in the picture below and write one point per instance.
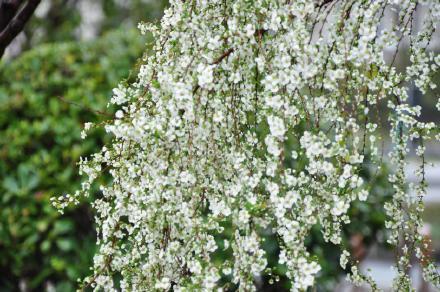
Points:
(45, 97)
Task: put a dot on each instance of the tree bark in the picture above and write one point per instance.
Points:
(13, 19)
(8, 8)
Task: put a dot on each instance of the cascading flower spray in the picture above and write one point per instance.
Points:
(200, 142)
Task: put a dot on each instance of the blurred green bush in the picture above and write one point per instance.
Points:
(39, 147)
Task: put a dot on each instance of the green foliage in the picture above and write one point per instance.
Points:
(39, 147)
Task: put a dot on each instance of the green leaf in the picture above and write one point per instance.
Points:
(57, 263)
(62, 227)
(65, 244)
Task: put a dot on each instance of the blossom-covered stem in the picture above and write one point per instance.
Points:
(254, 117)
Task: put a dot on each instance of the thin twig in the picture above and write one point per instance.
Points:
(96, 112)
(224, 55)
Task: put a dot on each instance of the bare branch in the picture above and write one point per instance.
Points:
(224, 55)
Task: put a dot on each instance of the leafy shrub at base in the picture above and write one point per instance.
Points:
(46, 96)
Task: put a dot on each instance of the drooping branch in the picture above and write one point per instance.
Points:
(13, 22)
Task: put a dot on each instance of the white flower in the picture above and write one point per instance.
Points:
(343, 260)
(205, 76)
(163, 284)
(291, 198)
(119, 95)
(271, 83)
(119, 114)
(195, 267)
(274, 101)
(276, 126)
(363, 195)
(339, 206)
(218, 117)
(272, 146)
(260, 63)
(243, 217)
(250, 30)
(235, 77)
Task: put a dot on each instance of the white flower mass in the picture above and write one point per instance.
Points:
(199, 142)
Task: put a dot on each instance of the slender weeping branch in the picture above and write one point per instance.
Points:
(13, 17)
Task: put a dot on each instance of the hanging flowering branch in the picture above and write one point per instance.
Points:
(199, 150)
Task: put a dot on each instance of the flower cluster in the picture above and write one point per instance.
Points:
(199, 160)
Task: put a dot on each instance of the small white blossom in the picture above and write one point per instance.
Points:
(119, 114)
(277, 128)
(205, 76)
(343, 260)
